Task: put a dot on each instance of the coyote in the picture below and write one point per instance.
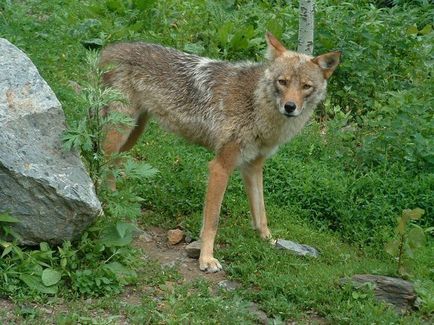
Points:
(242, 111)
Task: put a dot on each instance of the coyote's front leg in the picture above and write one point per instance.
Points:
(219, 171)
(252, 176)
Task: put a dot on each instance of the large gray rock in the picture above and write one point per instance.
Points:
(394, 291)
(45, 187)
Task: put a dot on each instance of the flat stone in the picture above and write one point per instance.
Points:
(193, 249)
(229, 285)
(45, 187)
(143, 236)
(175, 236)
(395, 291)
(296, 248)
(259, 314)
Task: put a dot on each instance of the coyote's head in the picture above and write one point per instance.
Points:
(297, 81)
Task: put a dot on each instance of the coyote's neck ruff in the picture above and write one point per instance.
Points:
(242, 111)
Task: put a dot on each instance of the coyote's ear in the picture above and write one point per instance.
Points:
(275, 48)
(328, 62)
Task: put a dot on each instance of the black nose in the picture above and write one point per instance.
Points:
(290, 107)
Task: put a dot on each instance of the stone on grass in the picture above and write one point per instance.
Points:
(41, 184)
(143, 236)
(175, 236)
(259, 314)
(193, 249)
(295, 248)
(229, 285)
(395, 291)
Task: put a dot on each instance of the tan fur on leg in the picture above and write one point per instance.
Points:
(252, 176)
(219, 171)
(122, 139)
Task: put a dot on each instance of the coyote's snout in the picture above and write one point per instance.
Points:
(241, 111)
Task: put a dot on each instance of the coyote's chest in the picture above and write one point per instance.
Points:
(272, 135)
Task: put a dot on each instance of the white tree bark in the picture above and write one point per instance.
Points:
(306, 26)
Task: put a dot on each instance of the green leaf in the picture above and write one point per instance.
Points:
(392, 247)
(409, 252)
(144, 4)
(50, 277)
(196, 48)
(92, 44)
(117, 235)
(414, 214)
(63, 262)
(275, 26)
(416, 237)
(124, 228)
(138, 170)
(122, 272)
(4, 217)
(400, 229)
(224, 32)
(412, 30)
(7, 250)
(115, 6)
(117, 118)
(35, 283)
(426, 30)
(240, 40)
(44, 247)
(403, 271)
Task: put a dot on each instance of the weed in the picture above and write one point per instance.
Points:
(408, 240)
(8, 236)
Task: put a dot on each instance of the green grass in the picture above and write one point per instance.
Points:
(320, 189)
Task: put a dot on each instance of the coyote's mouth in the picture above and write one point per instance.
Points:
(292, 114)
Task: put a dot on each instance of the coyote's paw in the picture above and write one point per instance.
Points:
(265, 233)
(209, 264)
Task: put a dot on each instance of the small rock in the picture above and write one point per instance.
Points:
(295, 248)
(188, 239)
(175, 236)
(168, 265)
(193, 249)
(142, 235)
(395, 291)
(260, 315)
(229, 285)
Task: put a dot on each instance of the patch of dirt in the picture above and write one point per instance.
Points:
(157, 248)
(155, 245)
(6, 310)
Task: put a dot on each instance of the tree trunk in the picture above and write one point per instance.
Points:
(306, 26)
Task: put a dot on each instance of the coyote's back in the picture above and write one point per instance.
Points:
(188, 94)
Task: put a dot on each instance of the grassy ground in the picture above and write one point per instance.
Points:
(317, 190)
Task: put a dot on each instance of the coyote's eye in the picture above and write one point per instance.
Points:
(282, 82)
(307, 86)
